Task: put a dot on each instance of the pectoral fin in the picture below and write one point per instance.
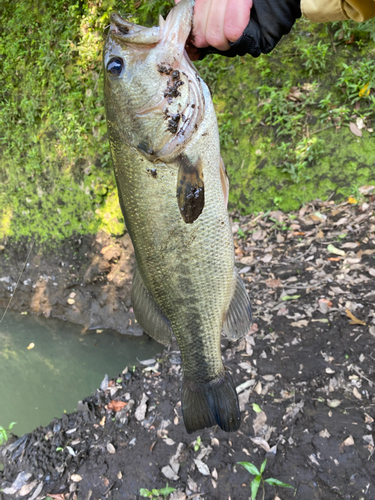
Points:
(148, 314)
(238, 319)
(190, 189)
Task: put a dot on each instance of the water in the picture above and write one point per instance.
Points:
(65, 365)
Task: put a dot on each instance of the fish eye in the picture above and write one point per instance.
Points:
(115, 66)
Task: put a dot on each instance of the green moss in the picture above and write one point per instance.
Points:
(55, 171)
(271, 108)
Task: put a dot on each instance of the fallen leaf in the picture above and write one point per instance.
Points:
(102, 422)
(324, 305)
(354, 320)
(365, 90)
(364, 190)
(350, 244)
(334, 259)
(261, 442)
(76, 478)
(273, 283)
(334, 403)
(354, 129)
(335, 250)
(290, 297)
(31, 345)
(202, 467)
(105, 249)
(115, 405)
(140, 412)
(267, 258)
(356, 393)
(300, 324)
(169, 473)
(71, 301)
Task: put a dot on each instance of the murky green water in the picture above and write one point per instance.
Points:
(64, 366)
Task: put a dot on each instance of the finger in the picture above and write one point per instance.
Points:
(201, 13)
(215, 25)
(237, 17)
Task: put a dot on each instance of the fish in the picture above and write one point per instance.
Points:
(173, 192)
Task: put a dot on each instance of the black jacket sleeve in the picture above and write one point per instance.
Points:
(269, 21)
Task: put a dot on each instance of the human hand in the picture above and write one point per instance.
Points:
(216, 23)
(217, 26)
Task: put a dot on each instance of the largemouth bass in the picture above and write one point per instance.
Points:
(173, 193)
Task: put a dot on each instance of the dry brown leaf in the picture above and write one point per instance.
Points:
(320, 234)
(115, 405)
(356, 393)
(354, 320)
(267, 258)
(334, 259)
(366, 189)
(273, 283)
(102, 422)
(354, 129)
(105, 249)
(350, 244)
(300, 324)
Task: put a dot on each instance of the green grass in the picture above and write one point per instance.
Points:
(284, 118)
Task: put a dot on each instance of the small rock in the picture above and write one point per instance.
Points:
(111, 448)
(76, 478)
(71, 301)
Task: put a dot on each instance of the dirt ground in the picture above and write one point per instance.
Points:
(305, 377)
(85, 280)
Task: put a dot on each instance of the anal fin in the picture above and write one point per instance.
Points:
(148, 314)
(237, 321)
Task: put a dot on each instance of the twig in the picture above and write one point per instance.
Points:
(11, 297)
(324, 128)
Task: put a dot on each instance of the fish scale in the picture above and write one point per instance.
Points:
(173, 198)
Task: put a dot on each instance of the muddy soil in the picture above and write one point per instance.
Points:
(305, 377)
(85, 280)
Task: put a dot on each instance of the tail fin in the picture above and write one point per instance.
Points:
(213, 403)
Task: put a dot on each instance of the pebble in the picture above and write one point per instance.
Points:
(76, 478)
(111, 448)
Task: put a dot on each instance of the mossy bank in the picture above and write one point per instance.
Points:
(284, 118)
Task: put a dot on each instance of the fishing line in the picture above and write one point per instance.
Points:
(11, 297)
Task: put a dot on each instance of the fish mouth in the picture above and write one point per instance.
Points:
(133, 33)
